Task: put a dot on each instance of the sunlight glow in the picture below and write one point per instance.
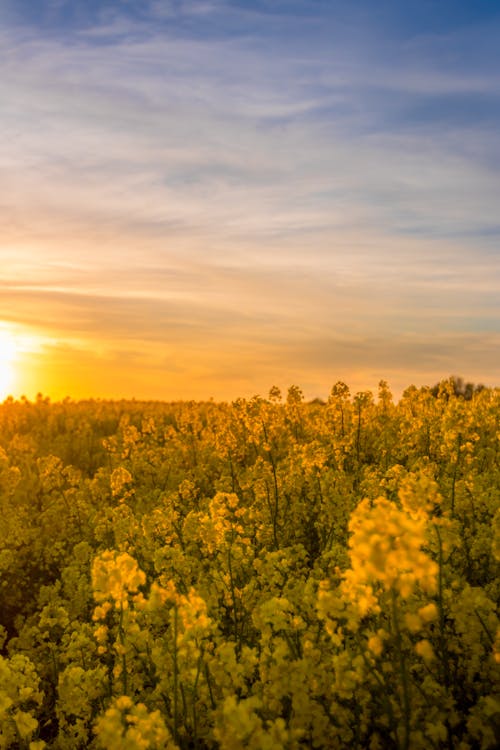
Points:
(8, 353)
(20, 348)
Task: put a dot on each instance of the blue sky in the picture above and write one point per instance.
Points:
(206, 198)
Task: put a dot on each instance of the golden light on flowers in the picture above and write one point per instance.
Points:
(115, 576)
(129, 726)
(386, 548)
(425, 650)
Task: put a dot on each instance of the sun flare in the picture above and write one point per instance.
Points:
(24, 362)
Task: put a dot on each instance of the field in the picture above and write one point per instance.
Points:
(267, 574)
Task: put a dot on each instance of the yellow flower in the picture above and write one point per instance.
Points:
(425, 650)
(115, 576)
(25, 723)
(496, 647)
(375, 644)
(413, 622)
(120, 482)
(428, 613)
(386, 547)
(125, 726)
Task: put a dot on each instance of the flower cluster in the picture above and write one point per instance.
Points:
(386, 548)
(115, 576)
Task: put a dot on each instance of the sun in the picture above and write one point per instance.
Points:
(8, 354)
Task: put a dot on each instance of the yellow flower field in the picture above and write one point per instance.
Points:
(267, 574)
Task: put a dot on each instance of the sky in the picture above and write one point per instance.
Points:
(204, 198)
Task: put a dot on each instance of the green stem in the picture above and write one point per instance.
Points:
(384, 693)
(485, 628)
(121, 637)
(195, 695)
(455, 472)
(442, 636)
(176, 676)
(402, 672)
(233, 597)
(209, 685)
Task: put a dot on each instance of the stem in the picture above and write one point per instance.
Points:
(195, 693)
(275, 511)
(121, 636)
(233, 597)
(442, 638)
(233, 478)
(358, 434)
(176, 675)
(209, 685)
(384, 691)
(485, 628)
(402, 672)
(455, 472)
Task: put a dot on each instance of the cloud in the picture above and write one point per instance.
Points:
(181, 174)
(258, 299)
(208, 136)
(242, 370)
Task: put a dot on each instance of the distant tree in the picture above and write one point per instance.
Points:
(317, 401)
(465, 390)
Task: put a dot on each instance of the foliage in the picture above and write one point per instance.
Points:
(268, 574)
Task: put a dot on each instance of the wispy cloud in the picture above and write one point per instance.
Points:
(178, 171)
(161, 131)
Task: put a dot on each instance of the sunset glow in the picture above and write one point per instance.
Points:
(208, 198)
(7, 358)
(23, 360)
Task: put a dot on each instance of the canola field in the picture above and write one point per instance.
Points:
(267, 574)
